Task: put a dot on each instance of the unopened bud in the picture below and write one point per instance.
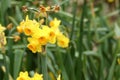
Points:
(56, 8)
(24, 8)
(16, 38)
(41, 21)
(9, 26)
(42, 8)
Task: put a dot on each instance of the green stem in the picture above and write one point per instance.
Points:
(60, 63)
(80, 45)
(43, 66)
(70, 70)
(39, 63)
(101, 64)
(112, 69)
(73, 22)
(42, 63)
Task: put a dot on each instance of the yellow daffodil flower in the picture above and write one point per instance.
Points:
(19, 29)
(37, 77)
(63, 41)
(21, 26)
(42, 36)
(23, 76)
(52, 37)
(34, 45)
(28, 26)
(54, 24)
(2, 28)
(51, 34)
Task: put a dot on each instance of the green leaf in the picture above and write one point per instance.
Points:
(6, 63)
(1, 56)
(18, 14)
(117, 30)
(111, 71)
(90, 53)
(13, 20)
(5, 4)
(17, 62)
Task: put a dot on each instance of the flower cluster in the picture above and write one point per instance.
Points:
(2, 37)
(39, 35)
(24, 76)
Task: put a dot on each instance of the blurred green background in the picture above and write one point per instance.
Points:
(93, 27)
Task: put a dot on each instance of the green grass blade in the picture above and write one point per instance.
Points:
(5, 4)
(73, 22)
(59, 59)
(80, 44)
(111, 71)
(18, 55)
(6, 63)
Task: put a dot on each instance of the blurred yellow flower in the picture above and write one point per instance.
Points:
(2, 39)
(34, 45)
(51, 34)
(59, 77)
(42, 40)
(37, 77)
(2, 28)
(118, 60)
(54, 24)
(23, 76)
(110, 1)
(62, 41)
(42, 36)
(28, 31)
(28, 26)
(52, 37)
(19, 29)
(21, 26)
